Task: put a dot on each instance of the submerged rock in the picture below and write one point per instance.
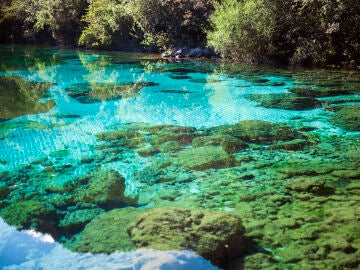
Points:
(37, 215)
(169, 146)
(182, 135)
(294, 145)
(4, 190)
(19, 97)
(257, 131)
(205, 157)
(285, 101)
(347, 117)
(229, 143)
(217, 236)
(107, 232)
(320, 92)
(315, 185)
(75, 221)
(104, 187)
(118, 135)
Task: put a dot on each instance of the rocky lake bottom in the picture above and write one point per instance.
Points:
(248, 167)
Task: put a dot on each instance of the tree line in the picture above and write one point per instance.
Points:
(297, 32)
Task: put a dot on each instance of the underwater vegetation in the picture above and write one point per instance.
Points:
(236, 165)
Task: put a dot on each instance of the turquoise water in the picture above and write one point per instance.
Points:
(89, 93)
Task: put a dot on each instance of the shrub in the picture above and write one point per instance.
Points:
(108, 23)
(242, 30)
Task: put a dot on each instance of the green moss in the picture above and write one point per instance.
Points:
(107, 232)
(75, 221)
(229, 143)
(256, 131)
(285, 101)
(32, 214)
(347, 117)
(320, 92)
(216, 236)
(205, 157)
(19, 97)
(294, 145)
(103, 187)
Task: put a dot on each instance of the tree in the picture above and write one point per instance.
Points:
(108, 24)
(167, 23)
(60, 18)
(242, 30)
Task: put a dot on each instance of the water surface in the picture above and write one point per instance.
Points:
(277, 148)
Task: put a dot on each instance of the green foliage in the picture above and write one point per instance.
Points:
(242, 30)
(107, 23)
(299, 32)
(305, 32)
(321, 31)
(61, 18)
(166, 23)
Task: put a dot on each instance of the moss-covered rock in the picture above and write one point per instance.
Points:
(169, 146)
(107, 232)
(32, 214)
(19, 97)
(216, 236)
(294, 145)
(320, 92)
(75, 221)
(347, 117)
(118, 135)
(160, 171)
(103, 187)
(4, 190)
(285, 101)
(148, 150)
(315, 185)
(205, 157)
(256, 131)
(182, 135)
(229, 143)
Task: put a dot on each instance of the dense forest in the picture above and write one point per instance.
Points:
(296, 32)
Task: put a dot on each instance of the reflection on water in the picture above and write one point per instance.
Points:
(32, 250)
(248, 166)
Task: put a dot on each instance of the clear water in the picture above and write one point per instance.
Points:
(196, 94)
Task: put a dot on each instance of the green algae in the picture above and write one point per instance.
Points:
(205, 157)
(103, 187)
(256, 131)
(75, 221)
(216, 236)
(108, 232)
(286, 200)
(294, 145)
(320, 92)
(31, 214)
(229, 143)
(19, 97)
(347, 117)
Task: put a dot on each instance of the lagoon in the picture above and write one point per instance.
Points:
(93, 143)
